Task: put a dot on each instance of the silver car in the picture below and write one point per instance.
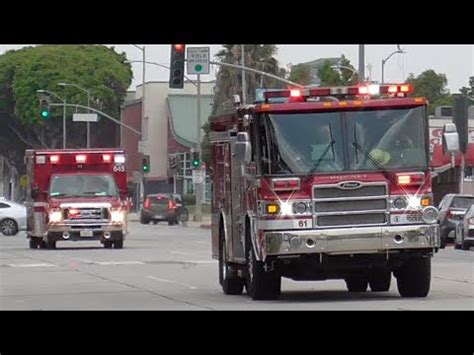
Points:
(12, 217)
(464, 236)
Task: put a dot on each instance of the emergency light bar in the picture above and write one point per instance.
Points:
(89, 158)
(399, 90)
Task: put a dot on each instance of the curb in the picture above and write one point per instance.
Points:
(205, 226)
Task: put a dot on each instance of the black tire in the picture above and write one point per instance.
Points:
(34, 242)
(457, 246)
(466, 246)
(414, 277)
(442, 244)
(261, 284)
(356, 284)
(108, 244)
(9, 227)
(380, 281)
(51, 244)
(144, 220)
(43, 245)
(230, 286)
(118, 244)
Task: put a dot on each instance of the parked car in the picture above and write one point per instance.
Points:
(12, 217)
(464, 235)
(452, 209)
(164, 207)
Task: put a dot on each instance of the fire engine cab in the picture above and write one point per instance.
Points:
(76, 195)
(325, 183)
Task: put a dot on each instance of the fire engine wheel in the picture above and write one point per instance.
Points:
(107, 244)
(414, 277)
(356, 284)
(230, 286)
(261, 284)
(118, 244)
(466, 246)
(380, 281)
(51, 244)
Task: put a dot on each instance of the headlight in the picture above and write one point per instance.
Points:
(300, 207)
(55, 216)
(117, 216)
(400, 202)
(286, 208)
(430, 214)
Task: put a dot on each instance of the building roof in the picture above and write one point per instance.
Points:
(183, 116)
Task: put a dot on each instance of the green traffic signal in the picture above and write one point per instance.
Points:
(196, 163)
(146, 164)
(44, 105)
(44, 114)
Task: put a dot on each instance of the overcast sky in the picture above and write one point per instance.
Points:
(456, 61)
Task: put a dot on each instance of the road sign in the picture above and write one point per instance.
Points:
(84, 117)
(143, 147)
(24, 181)
(198, 176)
(198, 60)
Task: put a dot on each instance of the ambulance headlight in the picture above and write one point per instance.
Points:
(119, 158)
(55, 216)
(117, 216)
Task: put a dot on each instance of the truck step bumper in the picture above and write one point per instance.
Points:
(351, 240)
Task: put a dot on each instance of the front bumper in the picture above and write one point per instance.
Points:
(351, 240)
(60, 228)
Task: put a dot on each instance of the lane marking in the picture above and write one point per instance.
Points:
(118, 263)
(173, 282)
(32, 265)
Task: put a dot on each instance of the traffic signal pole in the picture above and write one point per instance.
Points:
(199, 183)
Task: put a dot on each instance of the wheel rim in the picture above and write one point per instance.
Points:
(250, 265)
(8, 227)
(224, 262)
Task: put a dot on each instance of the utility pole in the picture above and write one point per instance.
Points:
(199, 183)
(361, 62)
(244, 84)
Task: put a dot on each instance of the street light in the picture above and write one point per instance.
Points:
(88, 105)
(398, 51)
(64, 111)
(344, 67)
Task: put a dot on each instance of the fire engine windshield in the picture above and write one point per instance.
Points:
(364, 140)
(82, 185)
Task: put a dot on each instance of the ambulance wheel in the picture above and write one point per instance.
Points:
(34, 242)
(356, 284)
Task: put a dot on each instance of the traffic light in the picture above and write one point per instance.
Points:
(196, 160)
(177, 66)
(146, 164)
(44, 108)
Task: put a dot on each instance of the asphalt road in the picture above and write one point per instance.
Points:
(169, 268)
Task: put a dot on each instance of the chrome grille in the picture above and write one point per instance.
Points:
(354, 205)
(353, 219)
(363, 191)
(364, 205)
(89, 214)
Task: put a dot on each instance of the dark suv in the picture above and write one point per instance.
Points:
(164, 207)
(452, 209)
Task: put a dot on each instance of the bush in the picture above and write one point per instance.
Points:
(189, 199)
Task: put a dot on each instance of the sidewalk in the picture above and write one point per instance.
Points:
(205, 224)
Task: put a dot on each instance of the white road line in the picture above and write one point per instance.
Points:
(171, 281)
(200, 261)
(84, 260)
(118, 263)
(32, 265)
(179, 252)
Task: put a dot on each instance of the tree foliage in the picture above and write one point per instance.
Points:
(432, 86)
(96, 68)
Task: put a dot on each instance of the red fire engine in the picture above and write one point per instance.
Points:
(76, 195)
(325, 183)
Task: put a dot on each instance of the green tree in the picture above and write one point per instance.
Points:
(300, 74)
(97, 68)
(432, 86)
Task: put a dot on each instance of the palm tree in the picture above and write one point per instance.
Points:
(257, 56)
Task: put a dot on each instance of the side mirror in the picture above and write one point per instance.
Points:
(243, 149)
(450, 139)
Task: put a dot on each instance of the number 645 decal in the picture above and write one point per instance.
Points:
(119, 168)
